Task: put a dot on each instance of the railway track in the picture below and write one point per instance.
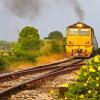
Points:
(33, 70)
(58, 68)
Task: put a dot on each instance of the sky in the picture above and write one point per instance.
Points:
(53, 16)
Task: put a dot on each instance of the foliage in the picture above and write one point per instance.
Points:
(29, 48)
(64, 44)
(57, 46)
(4, 45)
(55, 35)
(29, 38)
(3, 62)
(87, 86)
(5, 58)
(21, 55)
(17, 56)
(5, 53)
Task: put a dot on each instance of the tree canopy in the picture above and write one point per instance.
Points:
(29, 38)
(55, 35)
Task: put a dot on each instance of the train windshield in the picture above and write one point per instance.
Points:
(73, 32)
(84, 31)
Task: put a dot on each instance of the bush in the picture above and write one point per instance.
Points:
(3, 62)
(21, 55)
(87, 86)
(64, 44)
(57, 46)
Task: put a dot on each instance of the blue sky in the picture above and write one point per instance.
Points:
(52, 17)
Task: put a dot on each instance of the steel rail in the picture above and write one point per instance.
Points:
(35, 82)
(36, 69)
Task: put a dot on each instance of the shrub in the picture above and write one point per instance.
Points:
(3, 62)
(87, 86)
(64, 44)
(21, 55)
(57, 46)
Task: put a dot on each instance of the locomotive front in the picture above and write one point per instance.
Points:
(79, 40)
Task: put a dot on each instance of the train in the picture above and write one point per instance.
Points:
(81, 40)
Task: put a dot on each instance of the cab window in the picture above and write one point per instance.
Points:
(73, 32)
(84, 31)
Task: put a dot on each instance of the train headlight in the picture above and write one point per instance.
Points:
(79, 25)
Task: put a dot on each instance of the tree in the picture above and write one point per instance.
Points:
(55, 35)
(29, 38)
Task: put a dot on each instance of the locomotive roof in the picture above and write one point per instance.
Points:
(83, 25)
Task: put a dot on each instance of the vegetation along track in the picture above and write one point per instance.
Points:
(70, 65)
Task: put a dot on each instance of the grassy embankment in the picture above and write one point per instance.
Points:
(50, 51)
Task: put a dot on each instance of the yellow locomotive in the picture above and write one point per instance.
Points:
(81, 40)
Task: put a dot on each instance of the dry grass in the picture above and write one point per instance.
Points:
(49, 59)
(41, 60)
